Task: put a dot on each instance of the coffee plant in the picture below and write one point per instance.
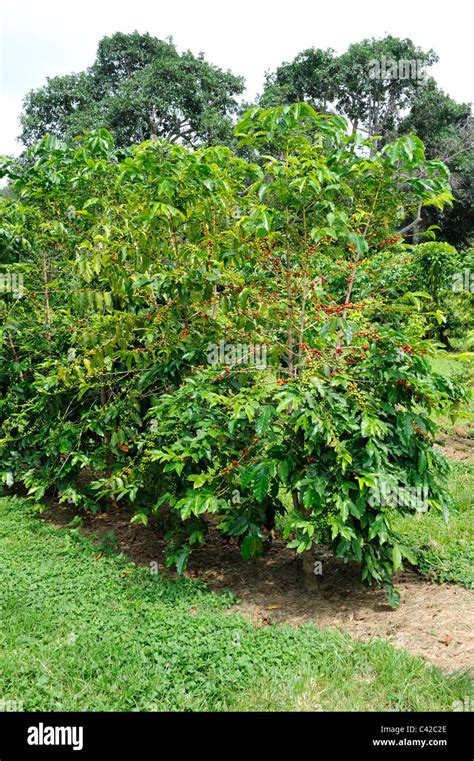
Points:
(225, 339)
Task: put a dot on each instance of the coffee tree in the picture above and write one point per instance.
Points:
(202, 335)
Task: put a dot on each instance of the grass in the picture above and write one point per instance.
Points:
(445, 551)
(454, 364)
(89, 633)
(461, 368)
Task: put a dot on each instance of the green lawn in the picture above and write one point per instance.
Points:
(459, 364)
(80, 633)
(459, 367)
(445, 551)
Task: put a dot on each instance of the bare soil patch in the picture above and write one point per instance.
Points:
(457, 445)
(433, 621)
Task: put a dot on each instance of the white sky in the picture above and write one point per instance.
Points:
(40, 38)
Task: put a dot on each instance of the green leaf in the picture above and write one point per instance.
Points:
(182, 560)
(408, 554)
(198, 480)
(252, 546)
(140, 518)
(262, 423)
(392, 594)
(396, 557)
(261, 484)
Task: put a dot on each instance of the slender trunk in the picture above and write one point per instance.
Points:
(47, 307)
(350, 287)
(14, 353)
(296, 500)
(109, 457)
(290, 314)
(302, 324)
(304, 296)
(289, 297)
(152, 126)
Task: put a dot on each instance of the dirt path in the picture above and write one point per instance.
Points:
(455, 441)
(433, 621)
(457, 447)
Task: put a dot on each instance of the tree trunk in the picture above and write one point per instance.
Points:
(311, 579)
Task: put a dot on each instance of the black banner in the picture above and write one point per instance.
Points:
(136, 736)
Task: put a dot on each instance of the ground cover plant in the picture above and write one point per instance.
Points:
(83, 630)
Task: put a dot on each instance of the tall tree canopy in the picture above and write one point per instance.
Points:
(373, 99)
(382, 88)
(139, 87)
(446, 130)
